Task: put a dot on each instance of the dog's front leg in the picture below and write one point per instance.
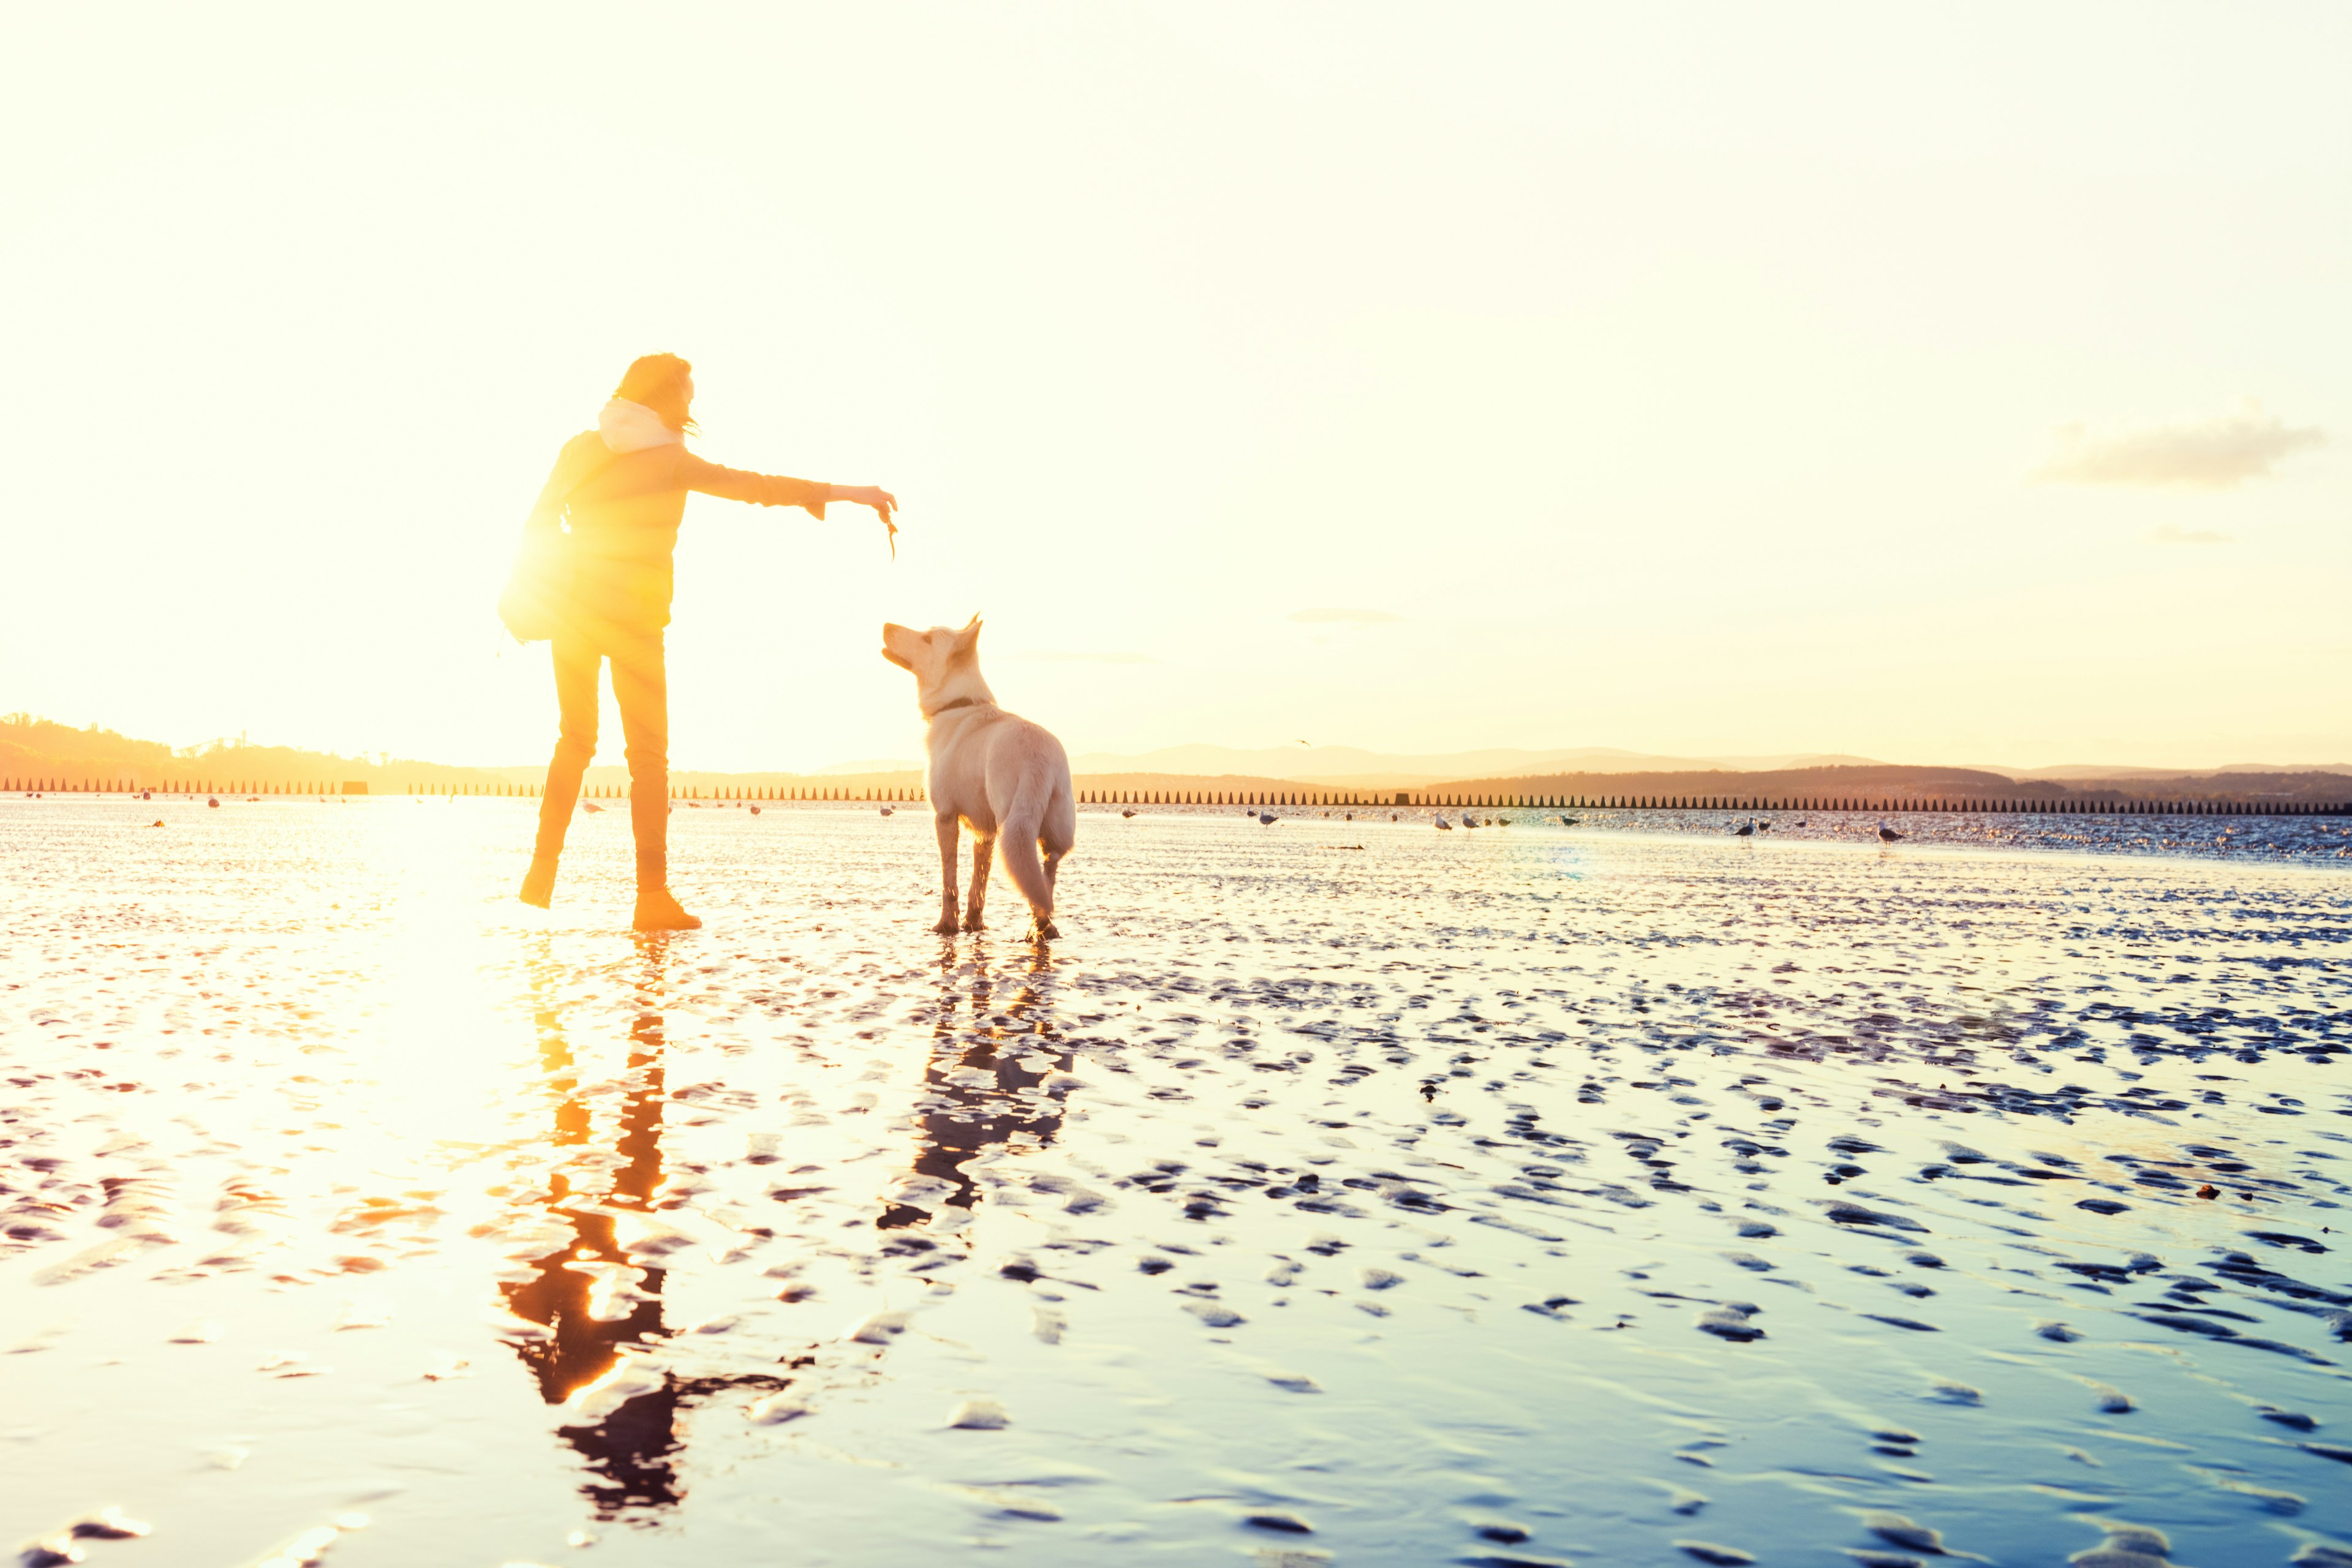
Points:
(983, 850)
(947, 828)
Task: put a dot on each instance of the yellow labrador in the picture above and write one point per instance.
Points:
(995, 773)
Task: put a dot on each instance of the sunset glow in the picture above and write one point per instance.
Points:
(1743, 382)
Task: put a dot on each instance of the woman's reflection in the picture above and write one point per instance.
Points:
(588, 1293)
(986, 1078)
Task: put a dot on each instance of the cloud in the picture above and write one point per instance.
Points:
(1349, 618)
(2188, 454)
(1064, 656)
(2170, 535)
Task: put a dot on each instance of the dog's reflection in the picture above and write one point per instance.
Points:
(995, 1041)
(594, 1303)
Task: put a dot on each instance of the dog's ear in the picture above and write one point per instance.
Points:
(969, 636)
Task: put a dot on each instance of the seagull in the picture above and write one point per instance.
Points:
(1128, 812)
(1469, 822)
(755, 810)
(1567, 822)
(157, 823)
(1745, 829)
(1265, 819)
(1444, 825)
(214, 802)
(590, 806)
(888, 809)
(1888, 835)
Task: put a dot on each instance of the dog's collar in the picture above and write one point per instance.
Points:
(949, 707)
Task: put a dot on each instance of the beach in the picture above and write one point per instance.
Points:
(1335, 1191)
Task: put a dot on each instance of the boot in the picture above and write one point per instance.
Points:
(659, 909)
(539, 882)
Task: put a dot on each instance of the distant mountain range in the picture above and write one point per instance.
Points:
(1979, 788)
(1351, 767)
(2099, 771)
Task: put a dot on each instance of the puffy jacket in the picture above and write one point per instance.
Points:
(623, 509)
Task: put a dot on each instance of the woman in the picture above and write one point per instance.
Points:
(622, 489)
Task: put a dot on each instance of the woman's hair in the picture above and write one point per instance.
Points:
(658, 381)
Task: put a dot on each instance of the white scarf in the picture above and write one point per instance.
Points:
(628, 427)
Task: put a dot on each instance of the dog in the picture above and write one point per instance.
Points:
(997, 774)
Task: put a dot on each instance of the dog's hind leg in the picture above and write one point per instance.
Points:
(1019, 852)
(983, 848)
(947, 828)
(1059, 831)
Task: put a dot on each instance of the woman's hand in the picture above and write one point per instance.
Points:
(883, 502)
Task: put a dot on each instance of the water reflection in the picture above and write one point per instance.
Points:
(986, 1081)
(597, 1303)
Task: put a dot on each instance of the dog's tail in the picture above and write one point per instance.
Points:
(1022, 822)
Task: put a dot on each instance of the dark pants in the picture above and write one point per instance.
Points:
(640, 689)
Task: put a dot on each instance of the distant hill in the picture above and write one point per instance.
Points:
(1893, 782)
(33, 747)
(1352, 768)
(2099, 771)
(36, 753)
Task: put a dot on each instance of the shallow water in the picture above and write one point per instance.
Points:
(1333, 1191)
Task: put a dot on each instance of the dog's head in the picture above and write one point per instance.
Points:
(935, 657)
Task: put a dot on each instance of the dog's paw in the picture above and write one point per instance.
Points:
(973, 922)
(1043, 930)
(947, 926)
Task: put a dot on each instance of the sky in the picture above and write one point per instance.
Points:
(1959, 384)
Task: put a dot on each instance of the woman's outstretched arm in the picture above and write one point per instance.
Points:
(775, 489)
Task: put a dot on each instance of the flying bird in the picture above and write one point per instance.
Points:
(1888, 835)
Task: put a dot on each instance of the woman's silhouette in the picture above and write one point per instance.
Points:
(603, 593)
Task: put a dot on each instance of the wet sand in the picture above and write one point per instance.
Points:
(1335, 1191)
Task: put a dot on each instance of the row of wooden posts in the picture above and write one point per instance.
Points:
(173, 786)
(1294, 799)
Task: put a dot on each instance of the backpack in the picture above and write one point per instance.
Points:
(538, 600)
